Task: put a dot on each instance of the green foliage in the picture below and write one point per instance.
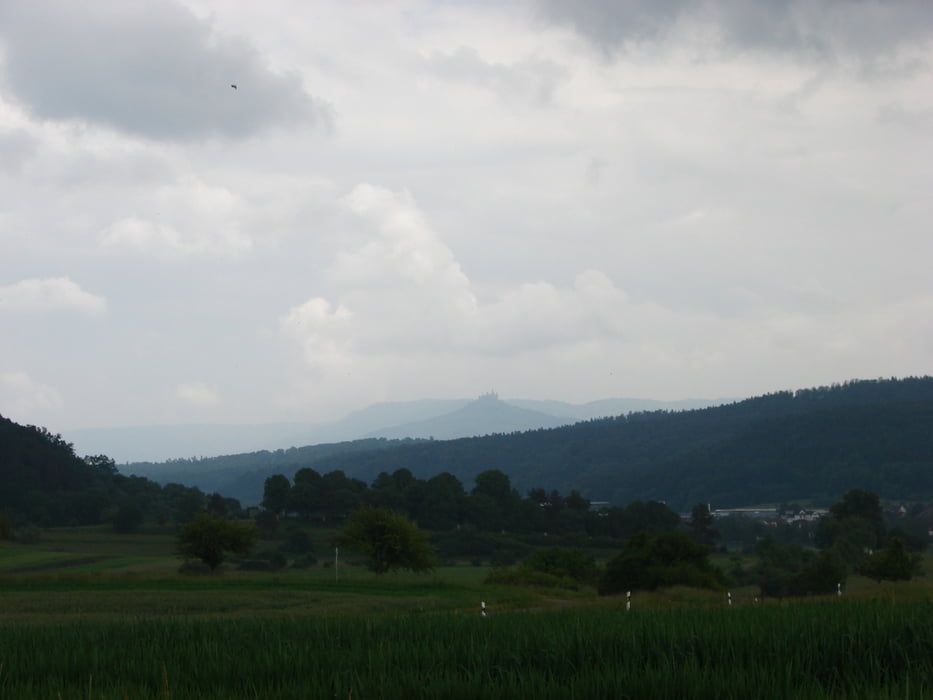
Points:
(652, 517)
(126, 517)
(275, 493)
(500, 550)
(389, 540)
(267, 522)
(298, 542)
(270, 560)
(892, 564)
(210, 538)
(854, 527)
(790, 570)
(649, 562)
(701, 524)
(563, 563)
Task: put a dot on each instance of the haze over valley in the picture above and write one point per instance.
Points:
(437, 419)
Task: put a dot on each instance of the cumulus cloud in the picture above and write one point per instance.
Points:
(21, 396)
(197, 394)
(193, 218)
(150, 69)
(53, 294)
(401, 291)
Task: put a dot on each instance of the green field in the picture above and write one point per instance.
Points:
(83, 619)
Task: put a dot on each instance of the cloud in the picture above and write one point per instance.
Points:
(21, 396)
(54, 294)
(532, 79)
(150, 69)
(401, 292)
(193, 218)
(16, 147)
(818, 27)
(197, 394)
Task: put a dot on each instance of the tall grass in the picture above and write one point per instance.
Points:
(817, 650)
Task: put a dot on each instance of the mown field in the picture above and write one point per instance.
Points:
(82, 619)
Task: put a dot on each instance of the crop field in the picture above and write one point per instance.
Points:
(816, 650)
(144, 631)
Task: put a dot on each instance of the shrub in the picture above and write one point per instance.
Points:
(563, 563)
(305, 561)
(298, 542)
(651, 562)
(892, 564)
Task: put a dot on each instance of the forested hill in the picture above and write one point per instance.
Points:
(43, 482)
(809, 444)
(42, 477)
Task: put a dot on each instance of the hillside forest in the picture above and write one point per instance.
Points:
(809, 445)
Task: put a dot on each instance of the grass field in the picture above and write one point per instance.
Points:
(87, 614)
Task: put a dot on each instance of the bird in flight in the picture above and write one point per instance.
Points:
(233, 85)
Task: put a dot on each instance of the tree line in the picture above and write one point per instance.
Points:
(442, 503)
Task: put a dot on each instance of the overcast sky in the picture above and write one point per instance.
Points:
(435, 199)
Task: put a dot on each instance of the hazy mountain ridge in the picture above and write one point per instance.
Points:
(153, 444)
(485, 416)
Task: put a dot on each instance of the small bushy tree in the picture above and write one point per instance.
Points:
(892, 564)
(791, 570)
(389, 540)
(667, 559)
(209, 538)
(563, 563)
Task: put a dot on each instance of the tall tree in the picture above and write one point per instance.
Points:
(701, 524)
(275, 493)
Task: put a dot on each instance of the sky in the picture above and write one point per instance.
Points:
(241, 212)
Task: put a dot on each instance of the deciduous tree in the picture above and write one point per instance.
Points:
(389, 540)
(209, 538)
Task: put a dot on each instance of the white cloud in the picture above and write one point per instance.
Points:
(532, 79)
(24, 400)
(401, 291)
(193, 218)
(197, 394)
(53, 294)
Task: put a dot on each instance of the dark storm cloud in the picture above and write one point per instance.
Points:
(152, 69)
(864, 27)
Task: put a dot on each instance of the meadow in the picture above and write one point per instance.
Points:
(83, 620)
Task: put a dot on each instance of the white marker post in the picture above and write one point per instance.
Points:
(482, 608)
(628, 601)
(729, 596)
